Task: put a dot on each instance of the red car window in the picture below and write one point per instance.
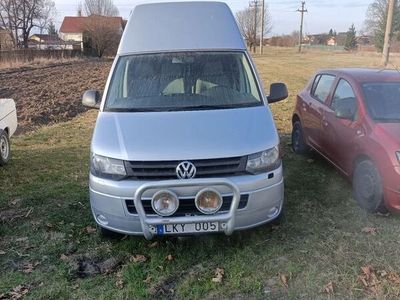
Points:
(323, 87)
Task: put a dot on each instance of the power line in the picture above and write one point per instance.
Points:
(302, 11)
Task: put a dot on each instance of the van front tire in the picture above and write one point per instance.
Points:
(109, 234)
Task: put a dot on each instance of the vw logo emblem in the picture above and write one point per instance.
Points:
(186, 170)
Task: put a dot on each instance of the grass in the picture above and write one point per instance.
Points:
(45, 226)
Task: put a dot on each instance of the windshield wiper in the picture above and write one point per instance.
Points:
(210, 107)
(134, 109)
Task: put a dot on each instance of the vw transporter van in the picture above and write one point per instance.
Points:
(185, 142)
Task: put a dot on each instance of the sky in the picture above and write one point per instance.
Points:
(322, 15)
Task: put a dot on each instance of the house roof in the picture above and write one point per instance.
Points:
(77, 24)
(181, 26)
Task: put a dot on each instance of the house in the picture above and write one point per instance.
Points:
(331, 41)
(45, 42)
(6, 41)
(73, 28)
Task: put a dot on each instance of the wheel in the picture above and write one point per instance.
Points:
(298, 144)
(5, 152)
(109, 234)
(367, 187)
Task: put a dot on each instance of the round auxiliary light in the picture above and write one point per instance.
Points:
(165, 203)
(208, 201)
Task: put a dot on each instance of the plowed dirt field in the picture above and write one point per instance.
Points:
(52, 93)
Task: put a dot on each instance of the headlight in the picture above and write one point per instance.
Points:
(264, 161)
(165, 203)
(107, 167)
(398, 156)
(208, 201)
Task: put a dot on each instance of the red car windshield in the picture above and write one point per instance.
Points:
(383, 101)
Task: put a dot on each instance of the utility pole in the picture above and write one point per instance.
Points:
(255, 4)
(302, 11)
(262, 26)
(388, 33)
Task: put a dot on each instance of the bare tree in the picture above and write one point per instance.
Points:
(252, 28)
(375, 22)
(100, 8)
(21, 16)
(101, 34)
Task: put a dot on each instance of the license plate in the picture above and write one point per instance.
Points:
(187, 228)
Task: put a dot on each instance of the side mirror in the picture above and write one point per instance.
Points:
(346, 108)
(344, 113)
(91, 99)
(278, 92)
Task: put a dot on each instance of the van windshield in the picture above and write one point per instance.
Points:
(182, 81)
(383, 101)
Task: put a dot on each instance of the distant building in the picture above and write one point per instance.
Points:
(331, 41)
(45, 42)
(73, 28)
(6, 42)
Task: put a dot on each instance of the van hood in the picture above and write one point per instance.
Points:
(184, 135)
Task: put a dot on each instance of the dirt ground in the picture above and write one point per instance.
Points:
(50, 94)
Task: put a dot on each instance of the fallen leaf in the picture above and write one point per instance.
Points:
(16, 293)
(120, 281)
(363, 281)
(147, 280)
(49, 225)
(394, 277)
(370, 230)
(310, 160)
(284, 279)
(2, 252)
(153, 245)
(367, 271)
(28, 268)
(15, 201)
(89, 229)
(383, 273)
(138, 258)
(328, 288)
(169, 257)
(21, 239)
(219, 275)
(63, 257)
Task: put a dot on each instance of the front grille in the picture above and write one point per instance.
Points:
(187, 206)
(162, 170)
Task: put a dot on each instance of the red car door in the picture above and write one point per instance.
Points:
(341, 127)
(313, 107)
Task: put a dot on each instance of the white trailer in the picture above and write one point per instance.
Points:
(8, 126)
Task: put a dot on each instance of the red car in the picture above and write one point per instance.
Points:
(352, 118)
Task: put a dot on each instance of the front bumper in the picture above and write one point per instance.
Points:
(265, 199)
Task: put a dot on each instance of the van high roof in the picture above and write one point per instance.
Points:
(177, 26)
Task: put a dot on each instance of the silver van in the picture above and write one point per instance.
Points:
(184, 141)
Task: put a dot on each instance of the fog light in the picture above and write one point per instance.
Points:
(208, 201)
(102, 220)
(165, 203)
(273, 212)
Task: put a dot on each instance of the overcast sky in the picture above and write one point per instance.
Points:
(322, 14)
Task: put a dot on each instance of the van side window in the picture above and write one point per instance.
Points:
(344, 97)
(323, 87)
